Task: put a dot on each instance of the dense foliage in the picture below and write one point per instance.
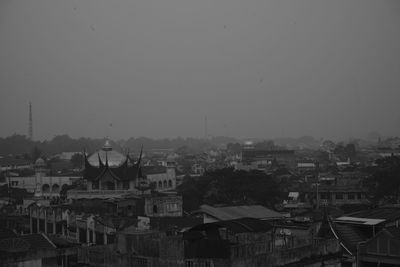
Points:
(384, 184)
(228, 186)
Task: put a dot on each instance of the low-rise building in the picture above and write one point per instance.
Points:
(163, 178)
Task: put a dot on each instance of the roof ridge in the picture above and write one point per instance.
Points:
(331, 226)
(48, 239)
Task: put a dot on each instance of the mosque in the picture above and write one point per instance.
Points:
(108, 172)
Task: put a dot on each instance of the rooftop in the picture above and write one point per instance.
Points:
(242, 225)
(360, 221)
(388, 214)
(236, 212)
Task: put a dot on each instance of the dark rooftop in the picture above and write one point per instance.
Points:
(377, 213)
(349, 235)
(242, 225)
(6, 233)
(155, 169)
(38, 241)
(394, 231)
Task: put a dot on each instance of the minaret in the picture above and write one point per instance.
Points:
(30, 122)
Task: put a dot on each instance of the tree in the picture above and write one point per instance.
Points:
(229, 186)
(350, 150)
(385, 182)
(36, 153)
(265, 145)
(234, 148)
(77, 160)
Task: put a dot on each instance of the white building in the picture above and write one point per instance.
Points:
(40, 183)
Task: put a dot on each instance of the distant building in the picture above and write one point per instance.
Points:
(67, 155)
(42, 184)
(12, 163)
(338, 189)
(163, 178)
(263, 159)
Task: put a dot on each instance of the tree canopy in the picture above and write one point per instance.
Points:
(385, 182)
(229, 186)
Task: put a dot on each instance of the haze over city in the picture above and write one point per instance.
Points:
(158, 68)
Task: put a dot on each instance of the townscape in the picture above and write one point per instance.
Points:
(251, 203)
(199, 133)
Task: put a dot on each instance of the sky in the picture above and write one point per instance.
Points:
(157, 68)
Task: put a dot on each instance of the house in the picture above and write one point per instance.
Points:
(381, 250)
(361, 226)
(35, 250)
(239, 242)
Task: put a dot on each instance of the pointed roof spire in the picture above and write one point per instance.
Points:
(107, 145)
(140, 156)
(101, 164)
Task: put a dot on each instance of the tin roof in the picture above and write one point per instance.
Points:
(236, 212)
(242, 225)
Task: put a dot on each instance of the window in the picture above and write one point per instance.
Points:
(159, 184)
(324, 196)
(339, 195)
(140, 262)
(169, 183)
(155, 209)
(172, 207)
(350, 196)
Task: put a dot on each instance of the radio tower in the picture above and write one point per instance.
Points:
(30, 122)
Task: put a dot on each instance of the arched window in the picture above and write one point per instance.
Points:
(46, 188)
(165, 184)
(159, 184)
(55, 188)
(169, 183)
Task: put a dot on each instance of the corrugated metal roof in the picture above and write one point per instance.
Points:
(236, 212)
(377, 213)
(243, 225)
(357, 220)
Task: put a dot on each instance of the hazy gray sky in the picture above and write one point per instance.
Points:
(255, 68)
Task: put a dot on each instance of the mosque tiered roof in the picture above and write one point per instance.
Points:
(108, 162)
